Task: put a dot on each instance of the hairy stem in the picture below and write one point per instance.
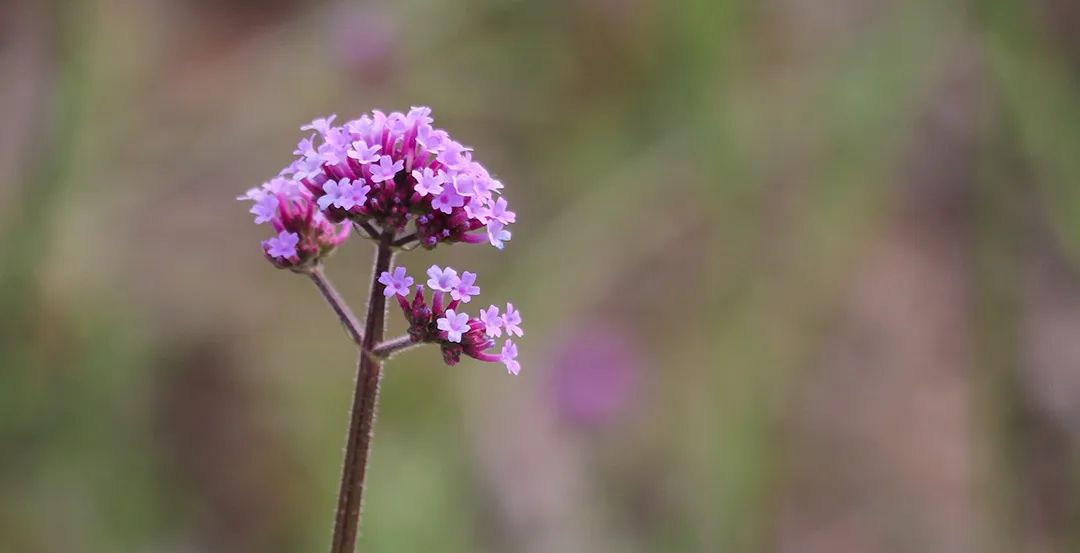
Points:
(388, 348)
(358, 444)
(337, 303)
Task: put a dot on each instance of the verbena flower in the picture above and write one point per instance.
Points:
(456, 332)
(304, 234)
(399, 172)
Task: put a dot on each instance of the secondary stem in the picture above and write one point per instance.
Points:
(337, 303)
(388, 348)
(358, 445)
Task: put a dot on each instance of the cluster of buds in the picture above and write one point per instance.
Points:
(304, 234)
(399, 172)
(443, 322)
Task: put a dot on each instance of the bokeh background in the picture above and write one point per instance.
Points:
(798, 276)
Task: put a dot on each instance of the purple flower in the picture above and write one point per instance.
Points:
(512, 321)
(453, 154)
(492, 321)
(428, 181)
(465, 184)
(466, 288)
(386, 169)
(478, 211)
(447, 200)
(307, 167)
(509, 357)
(283, 246)
(453, 324)
(363, 153)
(320, 125)
(419, 116)
(305, 147)
(432, 140)
(265, 208)
(444, 197)
(331, 153)
(397, 283)
(443, 280)
(595, 373)
(344, 193)
(497, 234)
(500, 213)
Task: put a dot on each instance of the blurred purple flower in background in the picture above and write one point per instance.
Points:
(364, 38)
(595, 374)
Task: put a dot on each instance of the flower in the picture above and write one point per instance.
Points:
(397, 283)
(500, 213)
(492, 321)
(443, 280)
(508, 356)
(512, 321)
(320, 125)
(344, 193)
(497, 234)
(447, 200)
(362, 153)
(386, 169)
(453, 324)
(465, 288)
(401, 174)
(264, 209)
(428, 181)
(283, 245)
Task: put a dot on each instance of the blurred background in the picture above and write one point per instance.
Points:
(797, 276)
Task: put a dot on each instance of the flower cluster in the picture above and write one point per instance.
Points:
(444, 323)
(402, 174)
(304, 234)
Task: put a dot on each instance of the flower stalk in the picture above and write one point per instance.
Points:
(365, 397)
(404, 184)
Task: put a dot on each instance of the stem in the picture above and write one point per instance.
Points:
(337, 303)
(358, 445)
(404, 240)
(368, 229)
(390, 347)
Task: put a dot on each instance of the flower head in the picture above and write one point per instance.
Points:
(456, 332)
(304, 234)
(398, 172)
(397, 283)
